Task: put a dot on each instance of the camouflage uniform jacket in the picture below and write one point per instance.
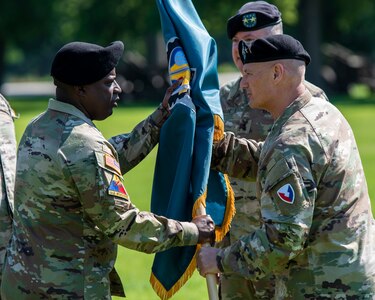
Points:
(7, 174)
(71, 208)
(248, 123)
(317, 233)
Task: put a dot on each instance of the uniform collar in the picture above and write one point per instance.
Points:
(69, 109)
(295, 106)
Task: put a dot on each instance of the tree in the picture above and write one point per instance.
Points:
(23, 24)
(35, 29)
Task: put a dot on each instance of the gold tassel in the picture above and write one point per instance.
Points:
(218, 128)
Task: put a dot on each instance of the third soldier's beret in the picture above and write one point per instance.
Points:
(253, 16)
(274, 47)
(80, 63)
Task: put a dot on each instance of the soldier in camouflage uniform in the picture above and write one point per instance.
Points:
(71, 207)
(317, 233)
(249, 123)
(7, 174)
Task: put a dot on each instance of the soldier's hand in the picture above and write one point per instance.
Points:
(206, 229)
(206, 261)
(169, 92)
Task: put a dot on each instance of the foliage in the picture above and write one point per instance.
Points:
(353, 24)
(32, 30)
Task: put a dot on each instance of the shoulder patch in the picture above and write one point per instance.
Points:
(116, 188)
(286, 193)
(111, 163)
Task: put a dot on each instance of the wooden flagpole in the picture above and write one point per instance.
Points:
(210, 278)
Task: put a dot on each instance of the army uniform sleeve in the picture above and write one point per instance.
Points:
(287, 206)
(96, 175)
(133, 147)
(237, 157)
(8, 150)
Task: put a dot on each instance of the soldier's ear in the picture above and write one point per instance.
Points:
(278, 71)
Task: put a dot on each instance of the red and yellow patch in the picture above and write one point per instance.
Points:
(116, 188)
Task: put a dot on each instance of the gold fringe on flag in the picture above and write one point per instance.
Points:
(230, 211)
(218, 128)
(166, 294)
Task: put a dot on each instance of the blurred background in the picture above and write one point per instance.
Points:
(338, 34)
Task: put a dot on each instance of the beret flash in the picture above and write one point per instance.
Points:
(253, 16)
(80, 63)
(271, 48)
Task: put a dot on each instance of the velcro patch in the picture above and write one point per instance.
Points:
(112, 163)
(116, 188)
(286, 193)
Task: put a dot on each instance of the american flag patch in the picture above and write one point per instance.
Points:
(112, 163)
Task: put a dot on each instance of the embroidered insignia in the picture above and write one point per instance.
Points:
(116, 188)
(178, 68)
(112, 163)
(286, 193)
(249, 20)
(245, 50)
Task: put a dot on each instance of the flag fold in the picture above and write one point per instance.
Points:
(183, 182)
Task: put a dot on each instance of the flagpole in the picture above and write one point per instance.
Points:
(210, 278)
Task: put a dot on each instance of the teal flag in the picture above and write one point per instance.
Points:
(183, 182)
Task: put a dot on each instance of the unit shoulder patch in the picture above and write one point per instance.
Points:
(117, 188)
(286, 193)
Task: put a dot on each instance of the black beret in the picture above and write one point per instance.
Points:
(80, 63)
(253, 16)
(274, 47)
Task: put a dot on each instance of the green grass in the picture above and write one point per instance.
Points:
(134, 268)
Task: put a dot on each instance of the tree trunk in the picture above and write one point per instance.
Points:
(310, 33)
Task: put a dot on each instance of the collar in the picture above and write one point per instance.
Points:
(68, 109)
(295, 106)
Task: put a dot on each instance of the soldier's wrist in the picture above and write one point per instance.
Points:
(159, 116)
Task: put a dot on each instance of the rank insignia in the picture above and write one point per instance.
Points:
(116, 188)
(286, 193)
(249, 20)
(112, 163)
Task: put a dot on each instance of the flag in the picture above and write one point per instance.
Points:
(183, 181)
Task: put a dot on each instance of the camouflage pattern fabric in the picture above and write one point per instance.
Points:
(72, 209)
(255, 124)
(8, 149)
(317, 234)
